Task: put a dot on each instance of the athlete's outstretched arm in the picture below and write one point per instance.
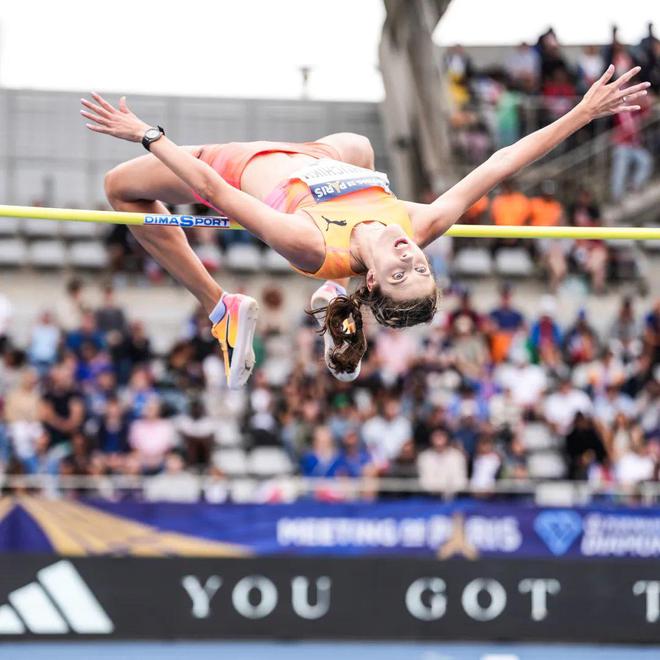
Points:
(603, 98)
(259, 219)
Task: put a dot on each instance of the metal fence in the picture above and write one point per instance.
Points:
(291, 488)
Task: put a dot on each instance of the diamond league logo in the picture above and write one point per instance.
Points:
(558, 529)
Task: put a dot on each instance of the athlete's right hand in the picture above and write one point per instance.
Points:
(119, 122)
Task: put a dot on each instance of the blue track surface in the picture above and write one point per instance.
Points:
(317, 651)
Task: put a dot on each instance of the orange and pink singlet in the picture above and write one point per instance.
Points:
(337, 196)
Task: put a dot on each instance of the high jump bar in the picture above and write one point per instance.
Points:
(222, 222)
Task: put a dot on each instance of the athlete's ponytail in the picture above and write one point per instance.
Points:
(343, 320)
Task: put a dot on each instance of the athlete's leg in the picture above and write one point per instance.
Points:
(353, 148)
(142, 185)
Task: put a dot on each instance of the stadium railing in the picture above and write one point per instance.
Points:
(560, 492)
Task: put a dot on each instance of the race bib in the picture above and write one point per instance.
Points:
(327, 179)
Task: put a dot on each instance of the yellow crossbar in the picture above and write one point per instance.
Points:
(220, 222)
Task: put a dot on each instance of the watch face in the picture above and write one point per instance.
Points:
(152, 134)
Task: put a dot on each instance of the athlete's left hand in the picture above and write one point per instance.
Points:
(610, 98)
(119, 122)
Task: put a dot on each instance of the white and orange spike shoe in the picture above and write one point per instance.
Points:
(235, 333)
(322, 297)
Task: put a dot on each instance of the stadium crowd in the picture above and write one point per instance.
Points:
(494, 106)
(457, 406)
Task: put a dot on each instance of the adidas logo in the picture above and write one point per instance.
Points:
(59, 602)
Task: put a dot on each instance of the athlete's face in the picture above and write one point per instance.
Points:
(399, 268)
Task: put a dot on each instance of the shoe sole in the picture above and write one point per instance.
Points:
(248, 312)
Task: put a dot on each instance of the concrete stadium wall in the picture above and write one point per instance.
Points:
(47, 156)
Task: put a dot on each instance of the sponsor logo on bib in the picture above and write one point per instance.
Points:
(328, 179)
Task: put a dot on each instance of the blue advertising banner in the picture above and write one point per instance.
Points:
(413, 527)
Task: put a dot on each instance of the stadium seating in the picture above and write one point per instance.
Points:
(47, 254)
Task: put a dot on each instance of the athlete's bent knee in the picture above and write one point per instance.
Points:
(112, 184)
(362, 149)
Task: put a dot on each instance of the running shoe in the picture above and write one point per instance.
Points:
(322, 298)
(235, 333)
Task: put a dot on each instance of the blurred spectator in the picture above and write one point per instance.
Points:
(547, 211)
(514, 465)
(386, 434)
(651, 64)
(562, 406)
(509, 206)
(635, 465)
(21, 412)
(584, 446)
(404, 466)
(652, 333)
(581, 341)
(274, 319)
(524, 380)
(139, 391)
(469, 348)
(44, 342)
(506, 322)
(632, 163)
(611, 403)
(507, 116)
(505, 412)
(466, 402)
(62, 407)
(120, 244)
(608, 371)
(197, 431)
(464, 309)
(459, 72)
(110, 316)
(559, 92)
(5, 318)
(589, 255)
(550, 55)
(395, 351)
(523, 67)
(545, 335)
(621, 435)
(618, 54)
(485, 466)
(112, 431)
(354, 460)
(133, 351)
(86, 334)
(322, 459)
(38, 458)
(71, 306)
(442, 468)
(151, 437)
(625, 331)
(22, 401)
(77, 461)
(590, 67)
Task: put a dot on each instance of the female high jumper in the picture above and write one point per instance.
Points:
(322, 206)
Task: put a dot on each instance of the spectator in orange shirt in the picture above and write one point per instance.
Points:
(477, 214)
(547, 211)
(510, 206)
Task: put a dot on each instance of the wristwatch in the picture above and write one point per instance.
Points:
(151, 135)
